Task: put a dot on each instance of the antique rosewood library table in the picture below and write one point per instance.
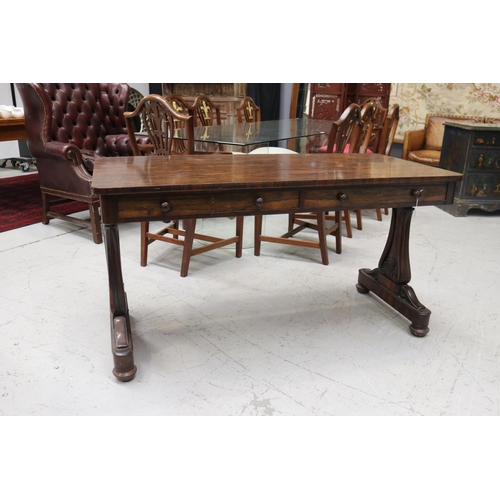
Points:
(134, 189)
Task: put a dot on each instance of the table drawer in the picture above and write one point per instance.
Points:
(153, 206)
(369, 197)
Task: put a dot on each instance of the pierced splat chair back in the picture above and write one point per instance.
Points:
(388, 133)
(367, 115)
(345, 130)
(380, 114)
(181, 107)
(207, 112)
(248, 111)
(162, 123)
(380, 111)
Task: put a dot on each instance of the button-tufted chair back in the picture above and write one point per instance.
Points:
(83, 114)
(67, 126)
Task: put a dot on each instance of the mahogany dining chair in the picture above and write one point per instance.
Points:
(162, 116)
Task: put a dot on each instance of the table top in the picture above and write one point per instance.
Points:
(219, 172)
(248, 134)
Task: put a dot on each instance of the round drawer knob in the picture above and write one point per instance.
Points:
(259, 202)
(343, 197)
(165, 206)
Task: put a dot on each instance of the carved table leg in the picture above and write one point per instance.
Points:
(390, 280)
(121, 334)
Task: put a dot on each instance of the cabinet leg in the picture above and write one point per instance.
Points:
(390, 280)
(121, 333)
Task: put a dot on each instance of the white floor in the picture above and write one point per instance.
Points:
(278, 334)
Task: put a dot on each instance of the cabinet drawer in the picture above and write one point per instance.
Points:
(486, 138)
(172, 205)
(368, 197)
(481, 187)
(484, 159)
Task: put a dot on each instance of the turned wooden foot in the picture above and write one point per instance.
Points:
(417, 331)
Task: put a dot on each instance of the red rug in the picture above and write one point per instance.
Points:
(21, 202)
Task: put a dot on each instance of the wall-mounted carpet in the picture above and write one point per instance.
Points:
(21, 202)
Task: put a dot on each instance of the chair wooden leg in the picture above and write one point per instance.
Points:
(347, 220)
(359, 220)
(45, 208)
(314, 221)
(386, 211)
(95, 222)
(175, 225)
(379, 214)
(144, 243)
(291, 219)
(322, 238)
(239, 234)
(338, 232)
(257, 233)
(189, 226)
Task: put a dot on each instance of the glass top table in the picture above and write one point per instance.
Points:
(260, 133)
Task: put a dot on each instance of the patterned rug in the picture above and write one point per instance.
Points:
(21, 202)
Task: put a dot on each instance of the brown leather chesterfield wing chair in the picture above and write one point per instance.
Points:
(67, 126)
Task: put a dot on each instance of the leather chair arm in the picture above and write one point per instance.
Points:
(59, 150)
(63, 153)
(413, 141)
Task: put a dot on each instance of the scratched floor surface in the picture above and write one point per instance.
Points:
(278, 334)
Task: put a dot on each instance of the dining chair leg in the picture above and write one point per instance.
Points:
(338, 232)
(257, 233)
(144, 243)
(239, 234)
(45, 207)
(189, 226)
(347, 220)
(175, 225)
(359, 220)
(322, 237)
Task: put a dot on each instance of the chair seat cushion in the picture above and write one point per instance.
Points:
(118, 145)
(425, 156)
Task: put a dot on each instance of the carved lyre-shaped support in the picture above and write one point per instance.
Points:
(390, 280)
(121, 334)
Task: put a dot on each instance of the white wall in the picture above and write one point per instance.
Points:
(143, 88)
(285, 100)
